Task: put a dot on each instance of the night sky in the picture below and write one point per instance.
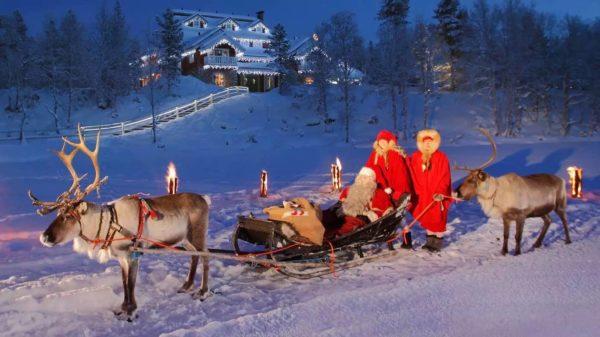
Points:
(298, 16)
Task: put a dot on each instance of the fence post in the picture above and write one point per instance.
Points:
(195, 105)
(210, 99)
(177, 111)
(122, 128)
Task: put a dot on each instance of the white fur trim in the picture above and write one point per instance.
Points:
(388, 190)
(372, 215)
(366, 171)
(103, 255)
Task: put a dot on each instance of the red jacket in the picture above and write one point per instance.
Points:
(434, 180)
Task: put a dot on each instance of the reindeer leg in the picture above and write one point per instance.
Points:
(563, 218)
(519, 235)
(132, 277)
(128, 273)
(189, 283)
(540, 239)
(203, 293)
(506, 223)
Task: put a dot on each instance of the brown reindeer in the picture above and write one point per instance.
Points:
(514, 198)
(105, 231)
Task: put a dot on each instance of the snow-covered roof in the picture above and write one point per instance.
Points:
(213, 38)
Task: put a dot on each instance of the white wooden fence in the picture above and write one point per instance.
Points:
(125, 127)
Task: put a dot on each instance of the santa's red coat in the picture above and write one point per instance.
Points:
(434, 180)
(393, 177)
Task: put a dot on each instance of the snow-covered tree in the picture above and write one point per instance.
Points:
(171, 47)
(344, 46)
(287, 66)
(451, 30)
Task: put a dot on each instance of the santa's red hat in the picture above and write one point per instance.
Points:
(386, 135)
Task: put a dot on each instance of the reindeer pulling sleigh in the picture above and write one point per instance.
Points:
(177, 224)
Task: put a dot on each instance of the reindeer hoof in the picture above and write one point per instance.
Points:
(504, 251)
(202, 295)
(517, 253)
(536, 245)
(125, 316)
(185, 289)
(568, 242)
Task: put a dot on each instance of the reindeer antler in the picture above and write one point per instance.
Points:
(93, 155)
(74, 193)
(490, 160)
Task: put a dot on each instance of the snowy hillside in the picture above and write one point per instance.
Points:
(468, 289)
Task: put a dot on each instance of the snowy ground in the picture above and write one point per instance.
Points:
(467, 290)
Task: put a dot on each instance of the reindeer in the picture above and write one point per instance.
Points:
(106, 231)
(514, 198)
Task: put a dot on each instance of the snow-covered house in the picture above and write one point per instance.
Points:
(300, 49)
(227, 49)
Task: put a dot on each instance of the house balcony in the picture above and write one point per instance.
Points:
(218, 61)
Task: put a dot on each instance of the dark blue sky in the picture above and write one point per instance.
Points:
(299, 16)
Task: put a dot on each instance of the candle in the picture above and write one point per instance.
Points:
(264, 184)
(336, 175)
(575, 180)
(172, 179)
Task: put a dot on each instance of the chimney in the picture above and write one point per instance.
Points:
(260, 15)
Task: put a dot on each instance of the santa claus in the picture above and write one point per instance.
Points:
(430, 170)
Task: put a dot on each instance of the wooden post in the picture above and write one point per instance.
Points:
(177, 111)
(122, 128)
(264, 184)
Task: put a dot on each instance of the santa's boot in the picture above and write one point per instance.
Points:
(431, 243)
(439, 243)
(407, 241)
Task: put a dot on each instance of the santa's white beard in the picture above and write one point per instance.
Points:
(359, 197)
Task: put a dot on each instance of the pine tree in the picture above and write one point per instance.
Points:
(319, 67)
(450, 30)
(17, 58)
(171, 47)
(394, 43)
(423, 52)
(279, 48)
(73, 56)
(49, 64)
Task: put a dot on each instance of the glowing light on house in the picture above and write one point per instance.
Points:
(575, 180)
(172, 179)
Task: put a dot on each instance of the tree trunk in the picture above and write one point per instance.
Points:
(565, 118)
(347, 110)
(394, 108)
(404, 111)
(22, 128)
(153, 112)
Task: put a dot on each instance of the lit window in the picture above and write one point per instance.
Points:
(219, 80)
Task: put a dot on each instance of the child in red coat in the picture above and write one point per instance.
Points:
(430, 170)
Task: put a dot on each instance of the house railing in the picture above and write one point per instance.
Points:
(218, 60)
(125, 127)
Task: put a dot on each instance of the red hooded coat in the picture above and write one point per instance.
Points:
(430, 181)
(392, 175)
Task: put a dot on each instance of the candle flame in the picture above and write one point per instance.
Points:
(338, 163)
(171, 172)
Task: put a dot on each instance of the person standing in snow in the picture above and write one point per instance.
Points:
(430, 170)
(388, 162)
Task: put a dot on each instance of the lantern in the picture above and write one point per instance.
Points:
(264, 184)
(336, 175)
(172, 179)
(575, 180)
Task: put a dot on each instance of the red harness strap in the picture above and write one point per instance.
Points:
(145, 212)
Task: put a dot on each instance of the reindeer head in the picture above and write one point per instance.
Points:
(476, 177)
(69, 205)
